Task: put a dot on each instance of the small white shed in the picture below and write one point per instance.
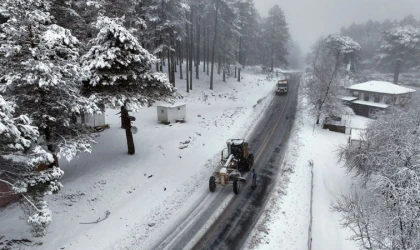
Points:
(92, 120)
(168, 113)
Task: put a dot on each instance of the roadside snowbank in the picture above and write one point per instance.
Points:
(285, 223)
(148, 191)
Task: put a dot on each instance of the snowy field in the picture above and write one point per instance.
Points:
(286, 221)
(147, 192)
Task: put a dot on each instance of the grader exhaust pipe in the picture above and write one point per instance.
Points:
(223, 171)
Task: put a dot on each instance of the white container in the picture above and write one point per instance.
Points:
(168, 113)
(92, 120)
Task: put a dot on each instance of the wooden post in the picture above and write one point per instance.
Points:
(128, 133)
(235, 70)
(239, 74)
(122, 117)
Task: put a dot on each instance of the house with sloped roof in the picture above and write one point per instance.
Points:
(368, 98)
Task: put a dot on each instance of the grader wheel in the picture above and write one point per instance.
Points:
(237, 186)
(212, 183)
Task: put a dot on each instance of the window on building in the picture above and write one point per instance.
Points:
(387, 99)
(377, 98)
(366, 97)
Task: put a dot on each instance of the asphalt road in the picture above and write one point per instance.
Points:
(239, 216)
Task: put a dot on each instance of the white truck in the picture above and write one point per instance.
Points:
(282, 87)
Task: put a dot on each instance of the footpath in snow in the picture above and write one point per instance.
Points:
(285, 223)
(146, 192)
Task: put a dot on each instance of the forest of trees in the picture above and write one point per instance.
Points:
(63, 58)
(388, 46)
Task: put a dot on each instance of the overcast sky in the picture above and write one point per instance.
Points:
(309, 19)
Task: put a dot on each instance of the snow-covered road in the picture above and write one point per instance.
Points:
(285, 222)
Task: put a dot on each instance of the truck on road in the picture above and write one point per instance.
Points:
(282, 87)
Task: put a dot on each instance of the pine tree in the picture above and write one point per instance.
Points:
(277, 36)
(41, 75)
(40, 63)
(19, 157)
(118, 68)
(345, 49)
(400, 48)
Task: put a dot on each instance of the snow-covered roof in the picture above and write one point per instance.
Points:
(373, 104)
(236, 141)
(381, 87)
(356, 134)
(348, 98)
(174, 105)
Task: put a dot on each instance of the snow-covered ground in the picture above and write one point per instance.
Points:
(285, 223)
(147, 192)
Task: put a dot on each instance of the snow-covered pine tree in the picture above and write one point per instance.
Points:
(163, 20)
(19, 158)
(277, 36)
(229, 33)
(248, 29)
(118, 69)
(400, 48)
(41, 76)
(345, 49)
(220, 17)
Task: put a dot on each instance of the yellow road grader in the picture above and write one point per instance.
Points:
(235, 159)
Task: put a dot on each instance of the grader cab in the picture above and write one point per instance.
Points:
(235, 158)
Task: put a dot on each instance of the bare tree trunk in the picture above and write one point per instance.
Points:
(191, 46)
(169, 67)
(224, 71)
(180, 58)
(214, 44)
(240, 50)
(272, 57)
(204, 49)
(224, 61)
(161, 62)
(187, 57)
(397, 70)
(208, 50)
(50, 147)
(219, 63)
(173, 57)
(197, 76)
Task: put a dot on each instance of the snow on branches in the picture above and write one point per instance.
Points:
(19, 158)
(342, 44)
(324, 82)
(41, 72)
(400, 40)
(118, 68)
(388, 161)
(400, 48)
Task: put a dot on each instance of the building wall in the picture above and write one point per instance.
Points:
(381, 98)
